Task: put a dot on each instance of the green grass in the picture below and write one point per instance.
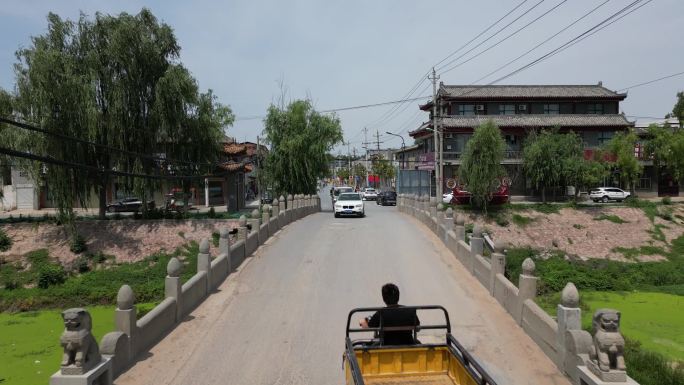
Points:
(633, 253)
(653, 319)
(97, 287)
(521, 220)
(611, 218)
(29, 342)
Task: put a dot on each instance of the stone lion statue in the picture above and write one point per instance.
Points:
(80, 348)
(609, 345)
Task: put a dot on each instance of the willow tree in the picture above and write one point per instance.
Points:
(300, 139)
(116, 81)
(622, 147)
(481, 168)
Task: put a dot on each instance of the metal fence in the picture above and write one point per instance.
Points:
(414, 182)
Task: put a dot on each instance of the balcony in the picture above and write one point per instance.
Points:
(509, 157)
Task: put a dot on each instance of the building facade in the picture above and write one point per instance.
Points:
(591, 111)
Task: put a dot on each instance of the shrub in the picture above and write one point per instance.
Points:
(666, 201)
(649, 368)
(611, 218)
(50, 275)
(211, 213)
(78, 244)
(81, 264)
(666, 213)
(5, 241)
(215, 237)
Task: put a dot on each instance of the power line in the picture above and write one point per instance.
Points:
(565, 45)
(29, 127)
(543, 42)
(505, 38)
(651, 81)
(75, 165)
(487, 39)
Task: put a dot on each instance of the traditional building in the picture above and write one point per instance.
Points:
(592, 111)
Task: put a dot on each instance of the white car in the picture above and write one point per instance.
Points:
(369, 193)
(606, 194)
(340, 190)
(349, 204)
(446, 198)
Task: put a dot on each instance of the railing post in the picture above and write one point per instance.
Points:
(125, 315)
(569, 317)
(224, 246)
(448, 219)
(204, 262)
(527, 287)
(242, 229)
(275, 207)
(254, 220)
(265, 214)
(282, 203)
(173, 288)
(498, 264)
(459, 227)
(476, 246)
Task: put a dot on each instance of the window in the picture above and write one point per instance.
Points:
(506, 109)
(551, 109)
(604, 137)
(448, 147)
(595, 108)
(466, 109)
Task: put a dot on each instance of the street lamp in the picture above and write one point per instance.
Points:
(403, 146)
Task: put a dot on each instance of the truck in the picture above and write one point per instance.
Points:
(370, 362)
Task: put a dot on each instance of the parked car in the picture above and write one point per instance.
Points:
(607, 194)
(131, 204)
(349, 203)
(447, 197)
(500, 196)
(267, 197)
(339, 190)
(369, 193)
(386, 198)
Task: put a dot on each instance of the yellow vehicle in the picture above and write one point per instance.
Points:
(370, 362)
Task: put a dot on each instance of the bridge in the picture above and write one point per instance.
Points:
(280, 316)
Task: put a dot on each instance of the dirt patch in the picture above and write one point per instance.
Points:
(126, 240)
(576, 232)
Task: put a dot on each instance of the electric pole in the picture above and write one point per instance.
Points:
(365, 146)
(438, 171)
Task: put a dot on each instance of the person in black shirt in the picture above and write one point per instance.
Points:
(393, 315)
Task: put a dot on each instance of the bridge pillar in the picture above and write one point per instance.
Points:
(498, 264)
(204, 262)
(527, 287)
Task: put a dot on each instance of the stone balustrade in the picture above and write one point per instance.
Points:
(133, 337)
(561, 339)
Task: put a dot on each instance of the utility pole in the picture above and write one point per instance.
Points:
(258, 179)
(365, 146)
(438, 171)
(349, 159)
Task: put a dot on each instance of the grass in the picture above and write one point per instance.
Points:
(29, 342)
(633, 253)
(521, 220)
(152, 215)
(611, 218)
(653, 319)
(97, 287)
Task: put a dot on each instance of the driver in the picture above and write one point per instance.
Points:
(393, 315)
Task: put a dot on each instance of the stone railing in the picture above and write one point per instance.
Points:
(133, 337)
(576, 352)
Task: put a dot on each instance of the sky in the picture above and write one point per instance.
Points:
(344, 53)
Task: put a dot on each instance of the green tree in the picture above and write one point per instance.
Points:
(666, 147)
(116, 81)
(360, 170)
(481, 163)
(300, 139)
(622, 147)
(382, 168)
(553, 159)
(678, 109)
(343, 174)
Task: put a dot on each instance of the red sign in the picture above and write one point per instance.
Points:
(426, 161)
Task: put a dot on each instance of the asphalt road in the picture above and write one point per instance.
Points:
(281, 318)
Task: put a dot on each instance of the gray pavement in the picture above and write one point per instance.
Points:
(281, 318)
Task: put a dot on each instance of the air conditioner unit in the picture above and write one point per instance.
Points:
(522, 107)
(448, 136)
(480, 107)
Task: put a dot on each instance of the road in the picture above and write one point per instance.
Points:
(281, 318)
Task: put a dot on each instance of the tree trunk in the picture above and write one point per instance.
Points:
(102, 192)
(543, 194)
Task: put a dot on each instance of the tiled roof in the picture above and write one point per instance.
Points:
(533, 121)
(528, 91)
(233, 148)
(233, 166)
